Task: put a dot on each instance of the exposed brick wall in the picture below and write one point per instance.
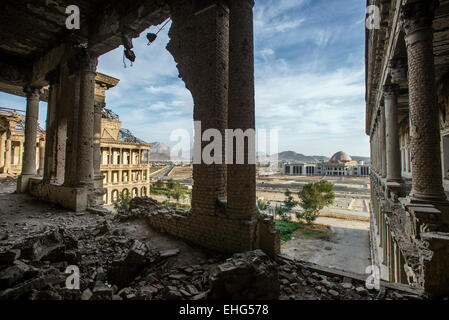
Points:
(199, 43)
(219, 233)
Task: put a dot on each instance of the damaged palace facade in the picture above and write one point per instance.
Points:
(407, 81)
(212, 44)
(12, 137)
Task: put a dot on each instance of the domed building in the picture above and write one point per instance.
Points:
(340, 156)
(340, 164)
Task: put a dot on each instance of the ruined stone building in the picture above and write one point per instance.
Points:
(11, 143)
(125, 163)
(407, 119)
(212, 44)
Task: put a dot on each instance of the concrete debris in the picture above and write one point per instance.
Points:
(115, 265)
(245, 276)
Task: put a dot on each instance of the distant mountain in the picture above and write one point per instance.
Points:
(159, 151)
(292, 156)
(299, 157)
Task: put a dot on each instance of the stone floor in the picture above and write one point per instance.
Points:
(346, 249)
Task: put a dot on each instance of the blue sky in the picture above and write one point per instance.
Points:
(309, 71)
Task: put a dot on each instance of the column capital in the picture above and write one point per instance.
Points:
(99, 105)
(398, 68)
(32, 92)
(417, 15)
(82, 60)
(390, 90)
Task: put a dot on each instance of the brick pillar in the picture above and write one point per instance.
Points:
(392, 134)
(31, 124)
(84, 170)
(241, 180)
(417, 18)
(199, 40)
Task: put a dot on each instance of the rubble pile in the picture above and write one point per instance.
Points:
(115, 264)
(145, 206)
(249, 275)
(299, 282)
(111, 266)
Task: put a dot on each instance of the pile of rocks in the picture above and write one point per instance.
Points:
(298, 281)
(143, 207)
(114, 266)
(111, 266)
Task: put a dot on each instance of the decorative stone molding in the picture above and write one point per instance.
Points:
(32, 92)
(417, 17)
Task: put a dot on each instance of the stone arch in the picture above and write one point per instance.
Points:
(143, 192)
(114, 195)
(134, 192)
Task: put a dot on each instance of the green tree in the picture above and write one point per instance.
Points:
(170, 184)
(178, 192)
(289, 203)
(282, 212)
(123, 202)
(314, 197)
(159, 184)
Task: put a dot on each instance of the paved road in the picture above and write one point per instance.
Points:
(346, 249)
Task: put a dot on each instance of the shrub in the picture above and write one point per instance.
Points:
(314, 197)
(122, 203)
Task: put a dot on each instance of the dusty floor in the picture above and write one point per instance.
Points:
(346, 249)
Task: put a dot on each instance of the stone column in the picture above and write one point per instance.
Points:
(392, 134)
(98, 176)
(7, 166)
(84, 172)
(2, 149)
(40, 171)
(383, 142)
(49, 174)
(241, 178)
(417, 18)
(72, 111)
(31, 124)
(20, 155)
